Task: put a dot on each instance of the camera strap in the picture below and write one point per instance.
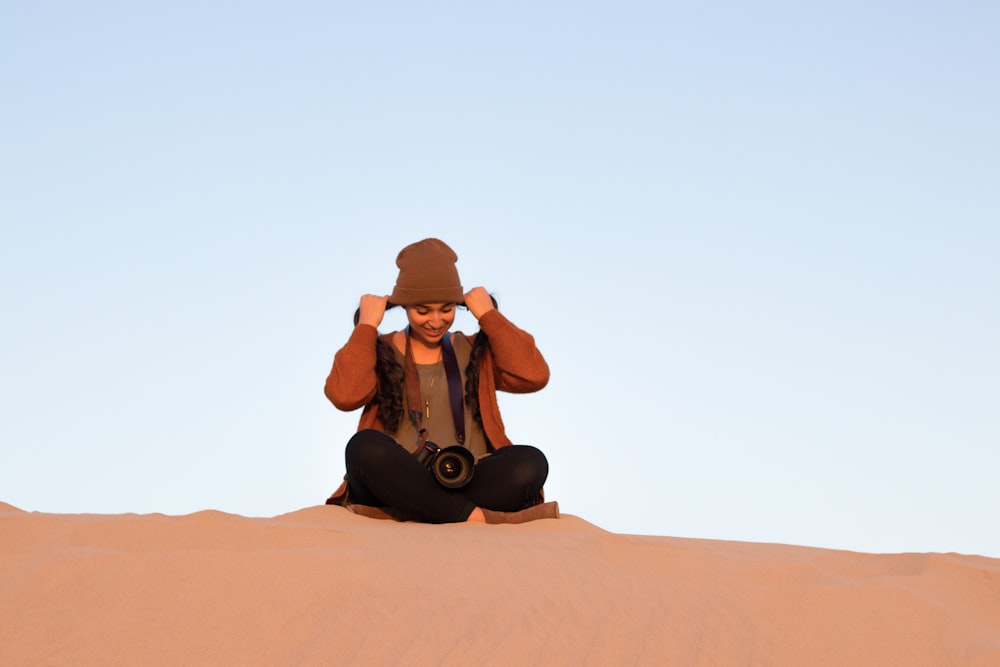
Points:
(453, 374)
(455, 393)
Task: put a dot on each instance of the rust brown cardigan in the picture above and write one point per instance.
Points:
(512, 363)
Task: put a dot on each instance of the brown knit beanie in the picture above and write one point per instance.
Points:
(427, 274)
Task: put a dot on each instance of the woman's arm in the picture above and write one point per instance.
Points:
(352, 382)
(519, 367)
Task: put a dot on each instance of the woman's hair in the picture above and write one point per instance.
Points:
(479, 346)
(390, 376)
(389, 396)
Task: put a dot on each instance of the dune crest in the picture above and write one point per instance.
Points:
(321, 586)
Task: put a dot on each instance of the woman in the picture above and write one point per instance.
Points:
(427, 385)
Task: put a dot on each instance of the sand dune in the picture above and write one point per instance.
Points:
(322, 586)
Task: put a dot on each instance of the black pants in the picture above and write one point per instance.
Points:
(383, 474)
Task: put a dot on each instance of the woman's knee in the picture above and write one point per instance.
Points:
(366, 448)
(528, 466)
(536, 459)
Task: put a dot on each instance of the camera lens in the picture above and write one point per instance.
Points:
(453, 466)
(450, 467)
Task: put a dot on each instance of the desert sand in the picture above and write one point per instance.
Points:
(322, 586)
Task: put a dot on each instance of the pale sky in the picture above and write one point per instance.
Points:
(758, 244)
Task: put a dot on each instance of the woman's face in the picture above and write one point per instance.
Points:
(429, 322)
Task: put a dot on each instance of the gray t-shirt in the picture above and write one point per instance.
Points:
(437, 418)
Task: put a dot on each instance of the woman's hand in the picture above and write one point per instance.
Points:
(372, 309)
(478, 301)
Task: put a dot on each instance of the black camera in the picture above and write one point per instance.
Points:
(452, 466)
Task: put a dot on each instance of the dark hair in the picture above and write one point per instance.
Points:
(390, 376)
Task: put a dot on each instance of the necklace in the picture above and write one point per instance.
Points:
(429, 375)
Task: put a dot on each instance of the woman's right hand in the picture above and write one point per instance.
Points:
(372, 309)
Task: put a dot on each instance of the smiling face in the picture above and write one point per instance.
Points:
(430, 321)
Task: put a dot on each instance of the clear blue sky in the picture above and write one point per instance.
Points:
(757, 242)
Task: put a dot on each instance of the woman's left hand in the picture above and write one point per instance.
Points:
(478, 301)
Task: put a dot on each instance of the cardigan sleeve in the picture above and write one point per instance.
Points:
(352, 382)
(519, 367)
